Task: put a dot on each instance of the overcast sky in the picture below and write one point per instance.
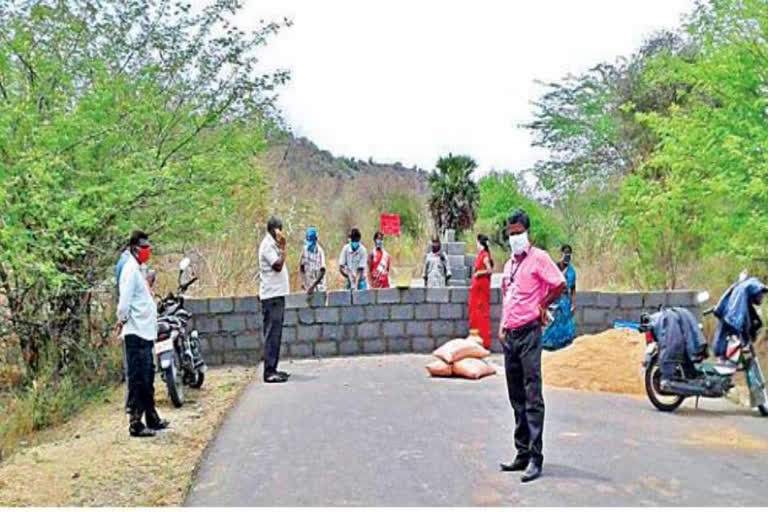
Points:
(410, 80)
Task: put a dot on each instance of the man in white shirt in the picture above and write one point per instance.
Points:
(352, 262)
(273, 288)
(137, 321)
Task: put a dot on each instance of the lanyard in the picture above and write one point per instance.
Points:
(517, 267)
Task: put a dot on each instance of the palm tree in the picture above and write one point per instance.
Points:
(453, 195)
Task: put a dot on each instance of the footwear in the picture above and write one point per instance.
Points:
(141, 431)
(518, 464)
(284, 374)
(159, 424)
(532, 472)
(275, 378)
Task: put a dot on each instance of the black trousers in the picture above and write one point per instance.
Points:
(273, 310)
(141, 379)
(522, 364)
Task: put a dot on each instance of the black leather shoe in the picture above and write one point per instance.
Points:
(159, 425)
(532, 472)
(285, 375)
(518, 464)
(141, 431)
(275, 378)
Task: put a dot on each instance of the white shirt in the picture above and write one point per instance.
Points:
(272, 284)
(352, 261)
(136, 308)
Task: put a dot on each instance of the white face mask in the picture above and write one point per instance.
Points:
(518, 243)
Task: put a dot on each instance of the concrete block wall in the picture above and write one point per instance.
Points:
(393, 320)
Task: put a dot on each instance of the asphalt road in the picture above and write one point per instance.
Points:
(376, 431)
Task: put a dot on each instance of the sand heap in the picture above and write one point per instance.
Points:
(610, 361)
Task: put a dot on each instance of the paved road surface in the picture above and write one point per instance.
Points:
(377, 431)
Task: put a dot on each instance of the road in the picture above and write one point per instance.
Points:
(376, 431)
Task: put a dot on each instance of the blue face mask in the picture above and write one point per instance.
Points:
(311, 244)
(379, 243)
(354, 245)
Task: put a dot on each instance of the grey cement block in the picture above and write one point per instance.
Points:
(423, 345)
(454, 248)
(388, 296)
(495, 295)
(308, 332)
(289, 335)
(242, 357)
(461, 329)
(594, 316)
(207, 324)
(326, 349)
(339, 298)
(438, 295)
(586, 299)
(327, 315)
(441, 328)
(290, 317)
(373, 313)
(247, 305)
(496, 310)
(399, 345)
(417, 328)
(350, 332)
(296, 301)
(221, 343)
(374, 347)
(254, 321)
(333, 332)
(654, 300)
(349, 348)
(221, 305)
(352, 315)
(451, 311)
(196, 306)
(369, 330)
(393, 329)
(214, 358)
(627, 300)
(205, 345)
(248, 342)
(426, 311)
(401, 312)
(233, 323)
(306, 316)
(300, 350)
(460, 295)
(317, 299)
(413, 296)
(496, 347)
(607, 300)
(683, 298)
(363, 297)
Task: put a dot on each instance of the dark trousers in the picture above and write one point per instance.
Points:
(273, 310)
(522, 362)
(141, 379)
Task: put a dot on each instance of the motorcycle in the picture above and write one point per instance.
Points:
(699, 378)
(177, 351)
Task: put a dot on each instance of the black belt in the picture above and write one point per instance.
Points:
(519, 332)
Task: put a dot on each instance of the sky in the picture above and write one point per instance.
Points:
(408, 81)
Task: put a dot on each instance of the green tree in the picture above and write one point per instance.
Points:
(115, 115)
(453, 194)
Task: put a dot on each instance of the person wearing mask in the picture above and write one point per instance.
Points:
(480, 292)
(352, 261)
(273, 287)
(562, 329)
(531, 282)
(437, 271)
(137, 323)
(312, 264)
(378, 263)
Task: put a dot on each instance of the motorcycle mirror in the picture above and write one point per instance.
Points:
(184, 264)
(702, 297)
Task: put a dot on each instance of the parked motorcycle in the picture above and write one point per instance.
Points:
(697, 377)
(177, 351)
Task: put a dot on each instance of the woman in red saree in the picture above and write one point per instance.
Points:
(378, 263)
(480, 292)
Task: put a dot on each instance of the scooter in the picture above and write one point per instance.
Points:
(699, 378)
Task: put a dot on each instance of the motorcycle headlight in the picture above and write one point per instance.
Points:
(194, 333)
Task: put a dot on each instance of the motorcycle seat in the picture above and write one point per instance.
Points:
(163, 328)
(723, 369)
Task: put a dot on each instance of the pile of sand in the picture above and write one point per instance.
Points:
(610, 361)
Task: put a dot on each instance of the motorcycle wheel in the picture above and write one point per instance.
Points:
(173, 380)
(199, 378)
(665, 403)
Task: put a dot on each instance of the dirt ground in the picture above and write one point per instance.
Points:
(92, 461)
(610, 361)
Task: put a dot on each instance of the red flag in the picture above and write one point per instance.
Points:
(390, 224)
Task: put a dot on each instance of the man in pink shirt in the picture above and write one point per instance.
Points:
(531, 282)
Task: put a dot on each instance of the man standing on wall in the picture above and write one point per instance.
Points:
(137, 322)
(273, 288)
(531, 282)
